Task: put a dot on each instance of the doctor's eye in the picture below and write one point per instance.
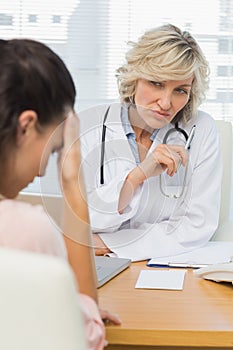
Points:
(182, 91)
(155, 83)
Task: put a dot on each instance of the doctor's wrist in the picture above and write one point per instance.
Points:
(136, 177)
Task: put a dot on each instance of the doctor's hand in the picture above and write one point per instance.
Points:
(164, 157)
(99, 247)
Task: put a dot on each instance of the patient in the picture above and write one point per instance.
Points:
(37, 118)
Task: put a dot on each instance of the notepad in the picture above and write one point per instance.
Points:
(212, 253)
(161, 279)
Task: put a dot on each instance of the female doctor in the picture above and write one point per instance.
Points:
(152, 162)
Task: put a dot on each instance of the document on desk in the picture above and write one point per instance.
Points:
(214, 252)
(161, 279)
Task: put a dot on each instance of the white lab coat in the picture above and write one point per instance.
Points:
(152, 225)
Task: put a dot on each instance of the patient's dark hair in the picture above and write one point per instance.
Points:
(32, 77)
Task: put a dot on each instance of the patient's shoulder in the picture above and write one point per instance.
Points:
(29, 227)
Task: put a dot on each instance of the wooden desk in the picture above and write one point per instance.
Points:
(201, 315)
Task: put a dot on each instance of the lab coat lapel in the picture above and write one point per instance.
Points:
(115, 132)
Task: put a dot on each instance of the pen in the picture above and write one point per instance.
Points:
(178, 265)
(187, 265)
(190, 137)
(188, 143)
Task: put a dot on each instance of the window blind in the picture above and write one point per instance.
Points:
(91, 37)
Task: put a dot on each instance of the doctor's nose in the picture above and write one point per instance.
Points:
(164, 102)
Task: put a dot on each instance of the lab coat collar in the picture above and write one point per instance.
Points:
(113, 121)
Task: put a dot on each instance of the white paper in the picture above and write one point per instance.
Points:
(212, 253)
(161, 279)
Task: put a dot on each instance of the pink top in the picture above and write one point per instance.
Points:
(38, 234)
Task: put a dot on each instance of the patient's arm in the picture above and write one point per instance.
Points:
(75, 223)
(76, 227)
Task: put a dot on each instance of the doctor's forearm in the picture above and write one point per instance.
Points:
(134, 179)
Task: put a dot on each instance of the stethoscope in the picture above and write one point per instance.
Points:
(176, 129)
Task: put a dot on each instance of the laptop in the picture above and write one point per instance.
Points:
(107, 268)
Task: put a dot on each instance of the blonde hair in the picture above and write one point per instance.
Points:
(165, 53)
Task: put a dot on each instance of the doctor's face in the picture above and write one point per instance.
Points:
(158, 102)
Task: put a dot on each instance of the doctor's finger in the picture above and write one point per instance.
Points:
(167, 161)
(181, 151)
(169, 157)
(176, 155)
